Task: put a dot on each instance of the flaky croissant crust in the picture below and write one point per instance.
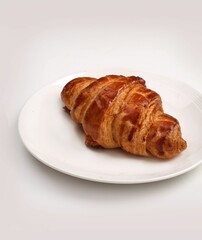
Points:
(118, 111)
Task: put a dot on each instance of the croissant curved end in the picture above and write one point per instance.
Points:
(165, 141)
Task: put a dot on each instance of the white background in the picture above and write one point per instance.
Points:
(41, 41)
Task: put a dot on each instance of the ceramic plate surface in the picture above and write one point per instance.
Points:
(52, 137)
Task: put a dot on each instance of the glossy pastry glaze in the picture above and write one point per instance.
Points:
(118, 111)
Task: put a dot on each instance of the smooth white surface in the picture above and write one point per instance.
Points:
(51, 136)
(42, 41)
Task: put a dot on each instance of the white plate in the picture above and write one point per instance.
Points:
(52, 137)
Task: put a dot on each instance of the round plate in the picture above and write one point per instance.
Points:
(51, 136)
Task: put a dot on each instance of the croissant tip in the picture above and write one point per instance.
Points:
(183, 145)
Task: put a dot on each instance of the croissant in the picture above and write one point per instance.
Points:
(118, 111)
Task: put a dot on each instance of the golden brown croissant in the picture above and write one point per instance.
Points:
(118, 111)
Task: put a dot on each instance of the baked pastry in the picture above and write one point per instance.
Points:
(118, 111)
